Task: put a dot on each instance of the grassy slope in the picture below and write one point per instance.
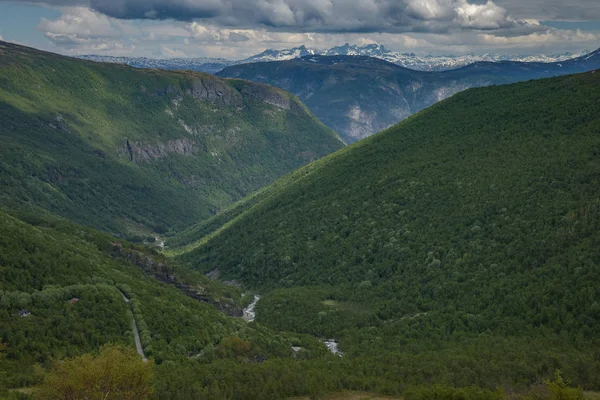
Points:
(65, 125)
(471, 229)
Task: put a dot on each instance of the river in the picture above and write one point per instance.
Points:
(249, 314)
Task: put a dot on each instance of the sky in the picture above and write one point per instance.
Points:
(236, 29)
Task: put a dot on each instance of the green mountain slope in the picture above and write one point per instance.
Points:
(129, 150)
(46, 263)
(467, 236)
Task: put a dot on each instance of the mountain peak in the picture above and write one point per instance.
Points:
(409, 60)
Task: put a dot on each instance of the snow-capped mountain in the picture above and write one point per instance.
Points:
(358, 95)
(407, 60)
(281, 55)
(210, 65)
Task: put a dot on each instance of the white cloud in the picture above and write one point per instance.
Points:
(549, 39)
(582, 10)
(438, 27)
(172, 53)
(81, 22)
(320, 16)
(428, 10)
(487, 16)
(80, 30)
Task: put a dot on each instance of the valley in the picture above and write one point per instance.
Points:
(213, 239)
(126, 150)
(435, 241)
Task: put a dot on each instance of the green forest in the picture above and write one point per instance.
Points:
(452, 256)
(465, 239)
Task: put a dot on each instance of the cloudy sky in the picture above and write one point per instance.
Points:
(236, 29)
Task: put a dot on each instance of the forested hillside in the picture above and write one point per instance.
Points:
(462, 243)
(453, 256)
(142, 151)
(63, 294)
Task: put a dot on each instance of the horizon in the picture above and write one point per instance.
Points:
(568, 54)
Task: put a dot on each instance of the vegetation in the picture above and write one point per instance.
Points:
(459, 247)
(62, 296)
(114, 373)
(453, 256)
(560, 389)
(139, 152)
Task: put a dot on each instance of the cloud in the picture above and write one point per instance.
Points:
(80, 22)
(582, 10)
(81, 30)
(487, 16)
(426, 26)
(333, 16)
(173, 53)
(542, 42)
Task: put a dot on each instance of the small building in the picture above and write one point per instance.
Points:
(74, 300)
(24, 313)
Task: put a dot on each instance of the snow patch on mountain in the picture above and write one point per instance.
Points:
(407, 60)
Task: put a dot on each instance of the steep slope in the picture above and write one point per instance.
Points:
(358, 96)
(144, 151)
(466, 236)
(67, 289)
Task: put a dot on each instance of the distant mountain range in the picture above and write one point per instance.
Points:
(209, 65)
(407, 60)
(358, 96)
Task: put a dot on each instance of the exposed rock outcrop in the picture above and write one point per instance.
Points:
(214, 90)
(269, 95)
(144, 152)
(159, 268)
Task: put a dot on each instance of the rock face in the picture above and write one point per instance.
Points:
(218, 91)
(267, 95)
(159, 268)
(139, 152)
(215, 91)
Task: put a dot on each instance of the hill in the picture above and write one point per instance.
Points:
(68, 289)
(458, 247)
(141, 151)
(359, 96)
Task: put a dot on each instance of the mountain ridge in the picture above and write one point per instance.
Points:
(191, 140)
(407, 60)
(358, 95)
